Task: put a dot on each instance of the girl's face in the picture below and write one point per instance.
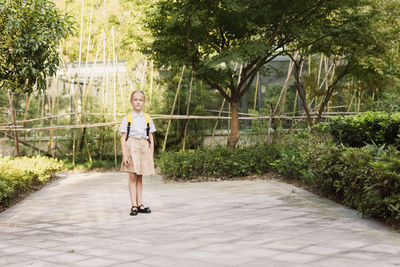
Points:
(137, 102)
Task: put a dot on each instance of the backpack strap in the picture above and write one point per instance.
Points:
(147, 118)
(128, 124)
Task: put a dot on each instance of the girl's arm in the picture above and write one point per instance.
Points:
(151, 143)
(125, 159)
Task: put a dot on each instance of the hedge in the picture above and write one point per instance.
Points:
(365, 128)
(18, 175)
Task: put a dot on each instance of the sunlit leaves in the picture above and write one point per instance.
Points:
(30, 32)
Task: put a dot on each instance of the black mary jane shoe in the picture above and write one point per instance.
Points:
(134, 211)
(142, 209)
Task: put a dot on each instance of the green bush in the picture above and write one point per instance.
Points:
(289, 162)
(371, 181)
(366, 128)
(18, 175)
(320, 156)
(366, 179)
(218, 162)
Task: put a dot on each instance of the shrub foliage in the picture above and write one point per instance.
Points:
(18, 175)
(365, 128)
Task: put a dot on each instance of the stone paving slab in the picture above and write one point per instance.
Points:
(83, 220)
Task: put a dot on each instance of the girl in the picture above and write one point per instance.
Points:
(137, 143)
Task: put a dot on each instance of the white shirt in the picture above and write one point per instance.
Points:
(138, 126)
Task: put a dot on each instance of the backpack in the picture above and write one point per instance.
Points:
(129, 123)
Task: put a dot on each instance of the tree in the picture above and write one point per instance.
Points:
(359, 42)
(212, 36)
(30, 33)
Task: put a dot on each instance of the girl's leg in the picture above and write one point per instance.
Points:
(139, 189)
(132, 188)
(139, 186)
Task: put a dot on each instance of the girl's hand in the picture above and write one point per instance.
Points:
(126, 161)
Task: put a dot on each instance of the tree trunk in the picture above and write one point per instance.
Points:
(302, 94)
(235, 134)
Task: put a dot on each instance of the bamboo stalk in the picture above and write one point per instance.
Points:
(352, 96)
(104, 70)
(114, 74)
(54, 104)
(50, 145)
(255, 94)
(282, 96)
(373, 95)
(107, 81)
(88, 151)
(78, 74)
(151, 82)
(87, 56)
(219, 114)
(330, 82)
(87, 94)
(85, 90)
(319, 70)
(187, 112)
(115, 98)
(28, 98)
(3, 148)
(103, 87)
(359, 100)
(326, 67)
(294, 108)
(115, 148)
(142, 82)
(70, 83)
(178, 126)
(270, 123)
(173, 107)
(325, 80)
(73, 146)
(121, 91)
(41, 121)
(80, 39)
(13, 113)
(57, 104)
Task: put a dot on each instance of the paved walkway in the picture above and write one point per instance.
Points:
(82, 220)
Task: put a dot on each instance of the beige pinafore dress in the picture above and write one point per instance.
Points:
(139, 155)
